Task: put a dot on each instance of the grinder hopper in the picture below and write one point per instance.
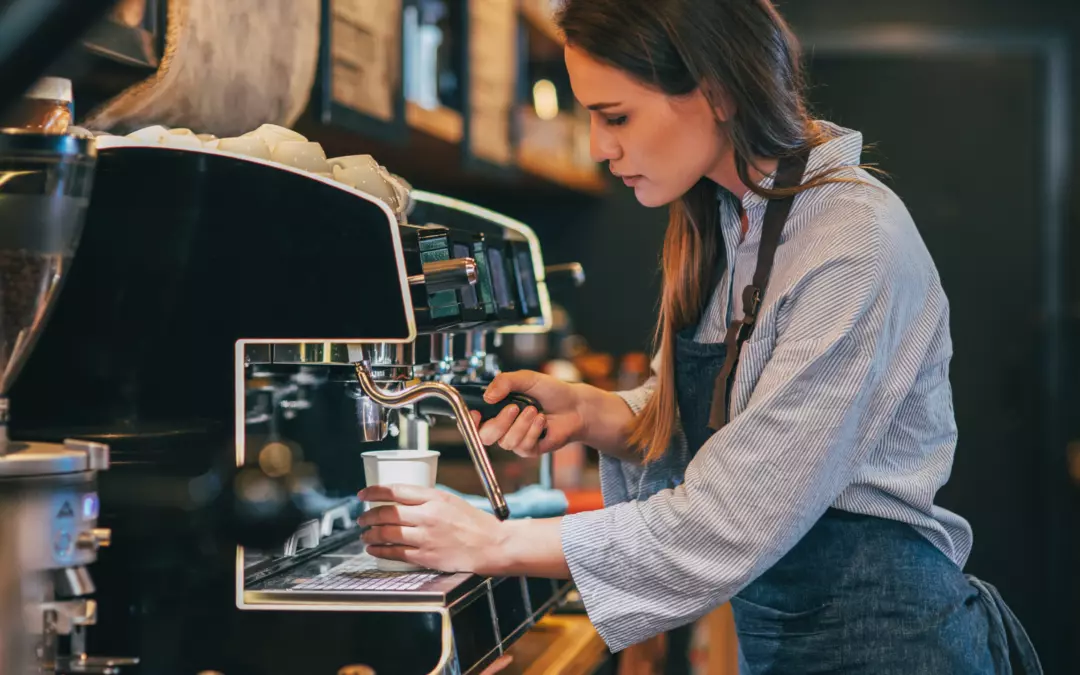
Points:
(45, 186)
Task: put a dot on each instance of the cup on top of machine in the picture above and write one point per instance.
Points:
(399, 467)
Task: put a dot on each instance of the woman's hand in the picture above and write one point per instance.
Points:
(440, 531)
(433, 529)
(519, 430)
(572, 412)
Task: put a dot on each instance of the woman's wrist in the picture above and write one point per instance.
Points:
(527, 547)
(605, 422)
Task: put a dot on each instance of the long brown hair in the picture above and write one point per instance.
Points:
(744, 49)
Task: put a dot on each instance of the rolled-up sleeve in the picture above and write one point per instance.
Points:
(758, 485)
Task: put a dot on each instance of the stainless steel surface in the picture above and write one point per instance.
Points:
(574, 271)
(72, 582)
(255, 354)
(465, 425)
(442, 354)
(67, 615)
(27, 459)
(338, 515)
(310, 353)
(380, 354)
(96, 665)
(53, 505)
(99, 537)
(372, 419)
(446, 275)
(357, 575)
(547, 479)
(335, 571)
(51, 512)
(24, 460)
(307, 536)
(97, 454)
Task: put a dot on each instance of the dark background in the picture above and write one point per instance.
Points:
(962, 130)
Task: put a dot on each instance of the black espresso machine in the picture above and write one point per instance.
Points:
(237, 332)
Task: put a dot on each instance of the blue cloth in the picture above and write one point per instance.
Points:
(531, 501)
(857, 594)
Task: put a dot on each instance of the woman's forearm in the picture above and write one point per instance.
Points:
(531, 547)
(606, 420)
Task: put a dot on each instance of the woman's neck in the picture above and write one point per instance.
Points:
(726, 175)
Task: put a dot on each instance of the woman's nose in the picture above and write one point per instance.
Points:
(602, 144)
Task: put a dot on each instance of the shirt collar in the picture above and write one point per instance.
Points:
(844, 148)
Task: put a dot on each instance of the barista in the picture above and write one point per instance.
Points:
(786, 453)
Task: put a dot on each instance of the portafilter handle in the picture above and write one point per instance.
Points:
(465, 425)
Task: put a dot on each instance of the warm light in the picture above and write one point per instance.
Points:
(545, 100)
(275, 459)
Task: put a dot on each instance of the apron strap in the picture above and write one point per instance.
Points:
(789, 174)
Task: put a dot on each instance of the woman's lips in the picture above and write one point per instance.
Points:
(631, 181)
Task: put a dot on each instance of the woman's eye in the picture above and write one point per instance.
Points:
(616, 121)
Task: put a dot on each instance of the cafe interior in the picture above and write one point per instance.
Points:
(244, 242)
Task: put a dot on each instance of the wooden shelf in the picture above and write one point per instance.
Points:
(442, 123)
(542, 22)
(541, 165)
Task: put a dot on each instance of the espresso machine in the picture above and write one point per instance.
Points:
(238, 332)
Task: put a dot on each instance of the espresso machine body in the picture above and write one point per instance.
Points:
(238, 333)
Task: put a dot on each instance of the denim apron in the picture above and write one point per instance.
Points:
(857, 594)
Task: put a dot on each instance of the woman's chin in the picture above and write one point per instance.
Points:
(648, 196)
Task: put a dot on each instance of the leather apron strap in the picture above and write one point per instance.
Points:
(789, 174)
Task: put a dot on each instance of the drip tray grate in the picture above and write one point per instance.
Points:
(358, 575)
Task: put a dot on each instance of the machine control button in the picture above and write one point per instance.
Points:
(99, 537)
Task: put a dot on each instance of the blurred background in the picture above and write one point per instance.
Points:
(971, 106)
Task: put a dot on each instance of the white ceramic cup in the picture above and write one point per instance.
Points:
(399, 467)
(245, 145)
(363, 173)
(272, 134)
(301, 155)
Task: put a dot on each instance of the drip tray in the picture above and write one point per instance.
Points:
(348, 575)
(356, 575)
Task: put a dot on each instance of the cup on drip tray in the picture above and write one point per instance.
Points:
(399, 467)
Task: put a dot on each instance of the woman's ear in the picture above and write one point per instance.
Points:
(724, 107)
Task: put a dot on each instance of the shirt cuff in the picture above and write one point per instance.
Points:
(636, 398)
(585, 541)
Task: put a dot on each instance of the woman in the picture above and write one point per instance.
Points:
(786, 453)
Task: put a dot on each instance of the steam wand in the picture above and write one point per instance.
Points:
(464, 421)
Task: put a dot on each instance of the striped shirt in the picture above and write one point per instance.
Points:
(841, 399)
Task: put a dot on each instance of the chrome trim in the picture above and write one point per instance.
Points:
(445, 275)
(306, 536)
(257, 354)
(240, 413)
(337, 514)
(309, 352)
(97, 454)
(494, 614)
(574, 269)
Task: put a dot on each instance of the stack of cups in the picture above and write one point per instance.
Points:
(399, 467)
